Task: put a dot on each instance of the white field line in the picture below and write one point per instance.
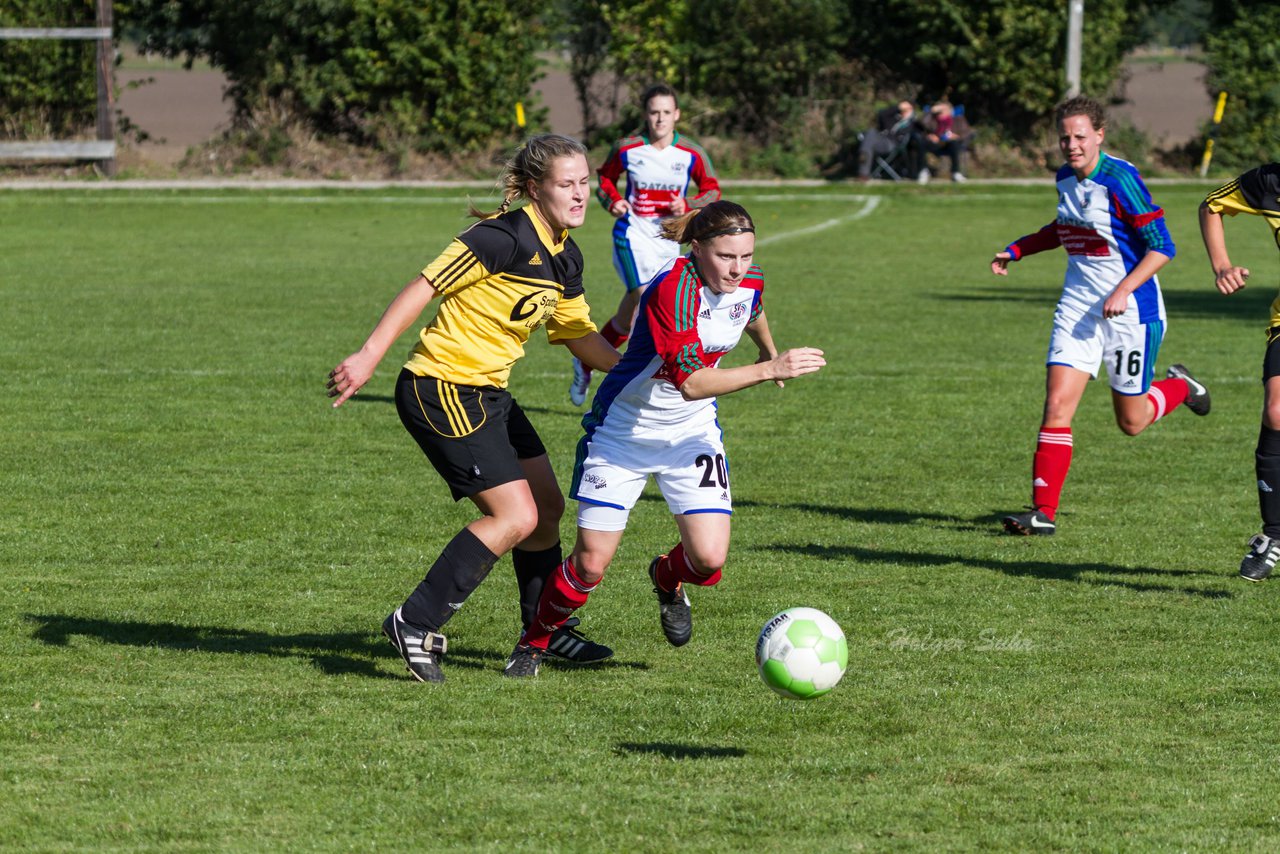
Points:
(358, 197)
(267, 185)
(182, 199)
(169, 197)
(869, 204)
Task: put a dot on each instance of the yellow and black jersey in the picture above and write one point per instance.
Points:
(1255, 192)
(498, 281)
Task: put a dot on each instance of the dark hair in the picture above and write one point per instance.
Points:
(1080, 105)
(530, 164)
(654, 91)
(703, 224)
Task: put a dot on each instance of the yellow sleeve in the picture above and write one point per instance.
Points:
(456, 268)
(572, 320)
(1228, 200)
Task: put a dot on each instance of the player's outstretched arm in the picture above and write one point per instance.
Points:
(594, 351)
(353, 372)
(758, 332)
(711, 382)
(1227, 278)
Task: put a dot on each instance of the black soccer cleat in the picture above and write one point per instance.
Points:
(673, 608)
(1261, 559)
(1031, 523)
(420, 649)
(1197, 395)
(569, 644)
(524, 662)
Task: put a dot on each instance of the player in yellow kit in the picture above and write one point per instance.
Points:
(509, 274)
(1255, 192)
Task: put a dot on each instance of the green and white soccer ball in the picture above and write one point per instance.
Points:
(801, 653)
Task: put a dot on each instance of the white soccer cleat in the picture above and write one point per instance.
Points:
(581, 384)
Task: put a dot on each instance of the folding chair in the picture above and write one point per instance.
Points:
(883, 165)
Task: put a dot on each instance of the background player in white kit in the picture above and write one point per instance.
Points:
(655, 414)
(660, 167)
(1111, 310)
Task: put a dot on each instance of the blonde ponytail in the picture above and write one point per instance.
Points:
(529, 165)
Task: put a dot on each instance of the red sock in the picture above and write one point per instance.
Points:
(1167, 395)
(613, 335)
(676, 567)
(563, 593)
(1049, 468)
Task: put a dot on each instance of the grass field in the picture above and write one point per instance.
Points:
(197, 553)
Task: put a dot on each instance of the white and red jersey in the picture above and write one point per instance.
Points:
(656, 177)
(1107, 222)
(682, 326)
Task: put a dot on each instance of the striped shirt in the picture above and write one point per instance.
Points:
(682, 327)
(1106, 222)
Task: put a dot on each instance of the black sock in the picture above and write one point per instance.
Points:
(1267, 465)
(458, 571)
(532, 571)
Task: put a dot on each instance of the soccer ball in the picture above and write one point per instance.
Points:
(801, 653)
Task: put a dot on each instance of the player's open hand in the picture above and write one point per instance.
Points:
(1000, 263)
(796, 363)
(350, 376)
(1231, 279)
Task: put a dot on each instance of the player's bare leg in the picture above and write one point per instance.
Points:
(696, 559)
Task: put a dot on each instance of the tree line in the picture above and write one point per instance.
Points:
(795, 79)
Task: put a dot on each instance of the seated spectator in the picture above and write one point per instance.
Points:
(943, 134)
(895, 125)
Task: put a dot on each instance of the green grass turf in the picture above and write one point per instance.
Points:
(197, 553)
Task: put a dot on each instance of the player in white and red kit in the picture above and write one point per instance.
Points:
(666, 173)
(655, 414)
(1111, 311)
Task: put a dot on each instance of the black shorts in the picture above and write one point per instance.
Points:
(1271, 361)
(474, 436)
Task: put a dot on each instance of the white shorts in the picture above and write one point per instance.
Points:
(1083, 340)
(691, 472)
(638, 255)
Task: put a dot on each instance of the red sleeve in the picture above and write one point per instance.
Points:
(609, 173)
(1043, 240)
(701, 172)
(705, 177)
(672, 311)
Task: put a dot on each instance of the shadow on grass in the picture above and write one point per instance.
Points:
(493, 661)
(1034, 569)
(335, 653)
(1045, 295)
(877, 515)
(1247, 306)
(680, 751)
(370, 398)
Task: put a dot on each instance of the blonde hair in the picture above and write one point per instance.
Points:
(530, 164)
(703, 224)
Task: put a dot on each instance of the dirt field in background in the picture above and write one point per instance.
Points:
(1166, 100)
(181, 108)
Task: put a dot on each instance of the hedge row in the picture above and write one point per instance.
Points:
(47, 88)
(446, 75)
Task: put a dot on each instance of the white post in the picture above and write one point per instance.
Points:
(106, 98)
(1075, 29)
